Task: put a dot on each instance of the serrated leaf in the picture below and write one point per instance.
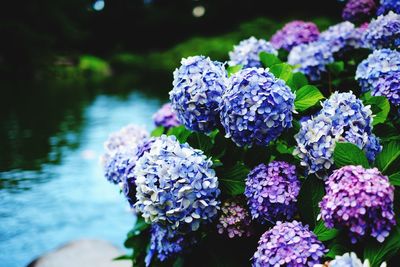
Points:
(268, 60)
(395, 179)
(297, 81)
(233, 69)
(180, 132)
(323, 233)
(380, 107)
(306, 97)
(233, 179)
(282, 71)
(157, 131)
(377, 253)
(390, 153)
(349, 154)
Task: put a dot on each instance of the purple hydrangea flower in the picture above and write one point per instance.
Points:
(360, 201)
(359, 10)
(343, 118)
(383, 32)
(295, 33)
(176, 186)
(198, 86)
(272, 191)
(166, 117)
(288, 244)
(256, 107)
(378, 64)
(389, 86)
(389, 5)
(235, 220)
(311, 58)
(247, 52)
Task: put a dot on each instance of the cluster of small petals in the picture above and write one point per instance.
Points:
(378, 65)
(272, 190)
(389, 86)
(359, 10)
(348, 259)
(116, 166)
(198, 86)
(176, 186)
(166, 117)
(383, 32)
(234, 220)
(295, 33)
(288, 244)
(343, 118)
(341, 37)
(360, 201)
(311, 58)
(246, 53)
(388, 5)
(256, 107)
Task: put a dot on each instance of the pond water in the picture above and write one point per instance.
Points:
(51, 185)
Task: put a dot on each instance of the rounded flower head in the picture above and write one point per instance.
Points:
(246, 53)
(166, 117)
(256, 107)
(389, 5)
(359, 10)
(383, 32)
(360, 201)
(198, 86)
(125, 139)
(341, 37)
(272, 191)
(343, 118)
(234, 220)
(295, 33)
(312, 59)
(288, 244)
(116, 166)
(348, 260)
(389, 86)
(378, 64)
(176, 186)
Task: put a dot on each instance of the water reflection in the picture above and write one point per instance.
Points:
(51, 186)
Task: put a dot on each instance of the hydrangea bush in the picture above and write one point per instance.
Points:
(268, 160)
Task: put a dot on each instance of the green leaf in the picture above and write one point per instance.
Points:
(336, 67)
(380, 108)
(157, 131)
(282, 71)
(311, 193)
(123, 257)
(200, 141)
(269, 60)
(389, 154)
(306, 97)
(297, 81)
(349, 154)
(233, 69)
(395, 179)
(335, 249)
(323, 233)
(233, 179)
(377, 253)
(180, 132)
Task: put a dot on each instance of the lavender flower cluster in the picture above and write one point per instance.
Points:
(166, 117)
(272, 190)
(176, 187)
(343, 118)
(256, 107)
(288, 244)
(295, 33)
(377, 66)
(359, 10)
(341, 37)
(198, 86)
(235, 220)
(389, 86)
(389, 5)
(360, 201)
(383, 32)
(246, 53)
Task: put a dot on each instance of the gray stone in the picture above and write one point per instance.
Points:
(82, 253)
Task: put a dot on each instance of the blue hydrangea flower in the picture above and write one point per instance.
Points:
(256, 107)
(166, 117)
(343, 118)
(383, 32)
(288, 244)
(115, 166)
(360, 201)
(378, 64)
(348, 259)
(358, 10)
(311, 58)
(272, 190)
(389, 86)
(389, 5)
(247, 52)
(176, 186)
(198, 86)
